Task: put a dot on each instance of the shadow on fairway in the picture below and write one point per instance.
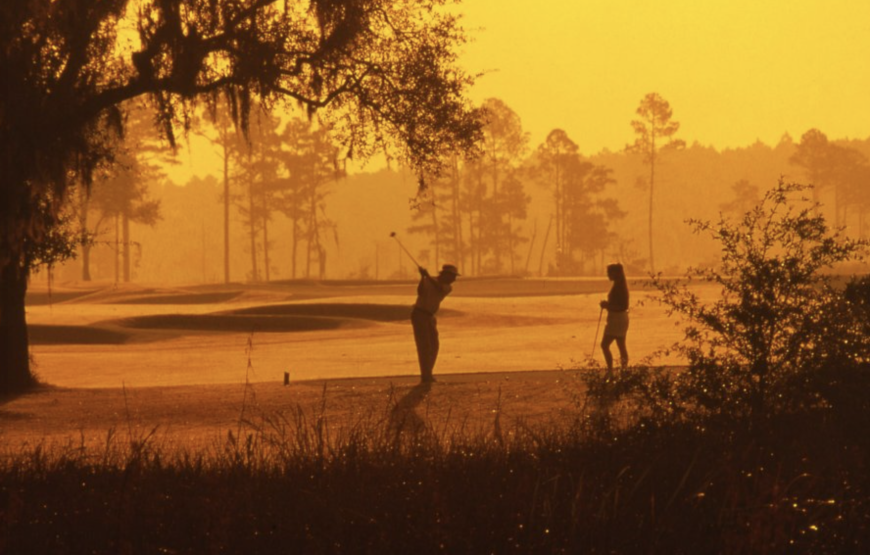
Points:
(404, 417)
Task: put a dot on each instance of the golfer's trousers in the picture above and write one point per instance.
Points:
(426, 338)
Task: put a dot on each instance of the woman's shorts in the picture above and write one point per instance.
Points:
(617, 324)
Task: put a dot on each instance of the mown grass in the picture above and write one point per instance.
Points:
(394, 481)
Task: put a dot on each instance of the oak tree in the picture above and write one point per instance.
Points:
(383, 71)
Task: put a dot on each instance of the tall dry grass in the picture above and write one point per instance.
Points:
(398, 481)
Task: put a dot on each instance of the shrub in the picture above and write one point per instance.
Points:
(782, 336)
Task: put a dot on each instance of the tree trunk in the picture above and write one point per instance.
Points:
(226, 214)
(510, 230)
(435, 232)
(544, 248)
(496, 224)
(458, 247)
(125, 230)
(255, 277)
(531, 245)
(321, 258)
(266, 249)
(295, 250)
(86, 261)
(839, 215)
(203, 251)
(313, 235)
(652, 175)
(861, 220)
(478, 241)
(477, 254)
(560, 211)
(15, 373)
(85, 243)
(117, 248)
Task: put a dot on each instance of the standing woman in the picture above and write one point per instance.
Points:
(617, 316)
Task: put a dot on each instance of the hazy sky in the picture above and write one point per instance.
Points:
(734, 71)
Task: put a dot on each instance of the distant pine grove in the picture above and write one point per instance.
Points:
(510, 222)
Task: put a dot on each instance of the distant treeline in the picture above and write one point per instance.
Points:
(518, 209)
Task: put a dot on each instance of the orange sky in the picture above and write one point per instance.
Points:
(734, 71)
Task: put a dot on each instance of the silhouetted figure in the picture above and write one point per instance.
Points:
(617, 316)
(430, 292)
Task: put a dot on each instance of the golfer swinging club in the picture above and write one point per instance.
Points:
(430, 292)
(617, 316)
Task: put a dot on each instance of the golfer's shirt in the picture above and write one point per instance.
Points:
(617, 299)
(430, 293)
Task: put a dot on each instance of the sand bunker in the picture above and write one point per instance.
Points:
(46, 297)
(136, 296)
(277, 318)
(184, 298)
(74, 335)
(362, 311)
(232, 323)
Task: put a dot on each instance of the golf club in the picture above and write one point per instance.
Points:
(393, 235)
(594, 341)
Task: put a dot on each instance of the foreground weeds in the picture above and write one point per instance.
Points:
(396, 482)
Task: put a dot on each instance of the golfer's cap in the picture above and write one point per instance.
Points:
(449, 269)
